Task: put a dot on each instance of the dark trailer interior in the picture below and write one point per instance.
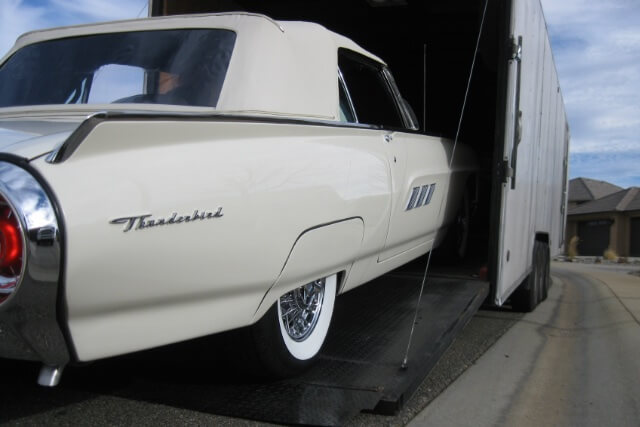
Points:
(408, 34)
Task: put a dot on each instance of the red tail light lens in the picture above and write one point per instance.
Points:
(10, 239)
(11, 250)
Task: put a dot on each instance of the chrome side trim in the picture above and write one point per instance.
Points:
(413, 198)
(29, 327)
(423, 194)
(432, 189)
(78, 136)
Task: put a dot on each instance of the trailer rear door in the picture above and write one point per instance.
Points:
(533, 147)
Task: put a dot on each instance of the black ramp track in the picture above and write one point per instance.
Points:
(358, 370)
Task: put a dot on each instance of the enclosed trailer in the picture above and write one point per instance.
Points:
(482, 73)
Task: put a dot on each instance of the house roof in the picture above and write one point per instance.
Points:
(585, 189)
(621, 201)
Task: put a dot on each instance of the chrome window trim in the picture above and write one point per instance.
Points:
(399, 100)
(346, 91)
(29, 319)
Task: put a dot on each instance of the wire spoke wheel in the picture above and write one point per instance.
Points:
(290, 335)
(300, 309)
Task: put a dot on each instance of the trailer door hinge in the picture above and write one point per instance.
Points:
(515, 48)
(505, 171)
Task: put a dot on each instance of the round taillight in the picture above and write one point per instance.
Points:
(11, 250)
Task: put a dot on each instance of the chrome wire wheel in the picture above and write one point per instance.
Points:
(300, 309)
(301, 319)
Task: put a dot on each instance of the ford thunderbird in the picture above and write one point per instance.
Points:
(169, 178)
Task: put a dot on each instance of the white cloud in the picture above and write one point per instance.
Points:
(17, 18)
(618, 168)
(596, 146)
(596, 46)
(20, 16)
(99, 10)
(597, 50)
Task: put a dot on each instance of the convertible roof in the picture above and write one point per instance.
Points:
(229, 20)
(284, 68)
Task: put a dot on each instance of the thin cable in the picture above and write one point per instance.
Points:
(415, 316)
(424, 89)
(143, 7)
(466, 93)
(405, 361)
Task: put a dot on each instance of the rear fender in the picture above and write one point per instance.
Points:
(318, 252)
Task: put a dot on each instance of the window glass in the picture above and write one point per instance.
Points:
(346, 114)
(115, 81)
(184, 67)
(370, 93)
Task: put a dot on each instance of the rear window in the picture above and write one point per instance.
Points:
(180, 67)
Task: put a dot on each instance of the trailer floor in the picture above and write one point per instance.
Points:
(358, 370)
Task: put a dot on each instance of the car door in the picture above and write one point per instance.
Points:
(418, 164)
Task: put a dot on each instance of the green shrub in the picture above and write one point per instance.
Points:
(572, 251)
(610, 255)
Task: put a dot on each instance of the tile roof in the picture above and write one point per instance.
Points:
(622, 201)
(585, 189)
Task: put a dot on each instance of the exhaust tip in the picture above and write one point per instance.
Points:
(50, 375)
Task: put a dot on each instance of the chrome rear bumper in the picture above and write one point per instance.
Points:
(30, 318)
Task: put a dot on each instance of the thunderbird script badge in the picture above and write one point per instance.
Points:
(143, 222)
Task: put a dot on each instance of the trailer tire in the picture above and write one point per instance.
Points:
(531, 290)
(546, 273)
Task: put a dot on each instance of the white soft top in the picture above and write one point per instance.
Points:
(285, 68)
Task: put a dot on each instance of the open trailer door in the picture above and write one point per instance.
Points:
(532, 146)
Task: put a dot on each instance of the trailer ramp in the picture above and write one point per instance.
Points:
(358, 370)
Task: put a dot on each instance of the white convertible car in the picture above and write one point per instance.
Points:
(169, 178)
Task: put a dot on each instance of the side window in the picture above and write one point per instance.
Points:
(371, 95)
(346, 107)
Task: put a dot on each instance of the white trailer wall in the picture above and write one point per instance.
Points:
(532, 199)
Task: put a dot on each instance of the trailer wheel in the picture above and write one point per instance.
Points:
(290, 335)
(532, 289)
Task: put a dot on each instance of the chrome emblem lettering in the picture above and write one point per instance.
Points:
(142, 222)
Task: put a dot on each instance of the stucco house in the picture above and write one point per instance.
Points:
(604, 216)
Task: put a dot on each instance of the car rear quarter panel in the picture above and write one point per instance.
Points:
(126, 291)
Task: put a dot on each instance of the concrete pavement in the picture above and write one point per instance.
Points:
(574, 361)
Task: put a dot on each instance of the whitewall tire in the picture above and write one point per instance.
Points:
(304, 342)
(290, 336)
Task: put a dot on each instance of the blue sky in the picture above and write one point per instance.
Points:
(597, 49)
(596, 45)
